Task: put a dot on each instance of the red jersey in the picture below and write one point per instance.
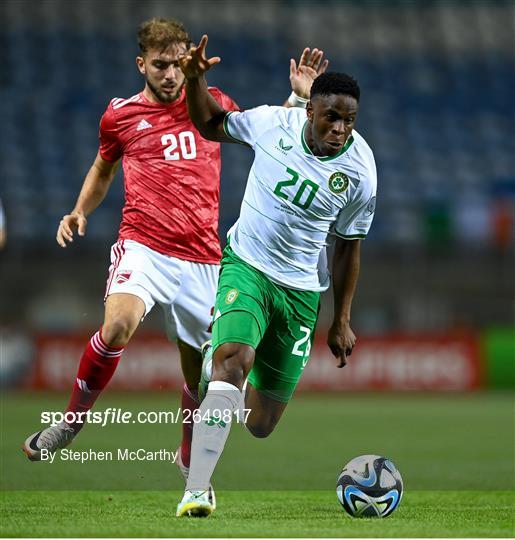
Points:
(172, 175)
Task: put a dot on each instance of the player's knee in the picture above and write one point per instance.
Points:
(232, 362)
(117, 333)
(230, 373)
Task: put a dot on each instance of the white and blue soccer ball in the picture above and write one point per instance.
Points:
(369, 486)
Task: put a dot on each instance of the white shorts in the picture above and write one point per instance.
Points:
(185, 290)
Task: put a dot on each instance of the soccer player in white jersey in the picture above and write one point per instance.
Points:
(313, 177)
(168, 248)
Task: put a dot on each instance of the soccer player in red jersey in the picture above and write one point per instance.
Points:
(168, 248)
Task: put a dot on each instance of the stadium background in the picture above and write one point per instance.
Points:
(434, 312)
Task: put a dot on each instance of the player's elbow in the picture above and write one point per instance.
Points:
(207, 132)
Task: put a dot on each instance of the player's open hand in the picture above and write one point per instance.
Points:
(310, 67)
(76, 221)
(195, 63)
(341, 341)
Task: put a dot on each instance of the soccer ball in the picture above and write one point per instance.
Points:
(369, 486)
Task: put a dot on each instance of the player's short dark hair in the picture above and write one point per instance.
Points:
(160, 34)
(335, 83)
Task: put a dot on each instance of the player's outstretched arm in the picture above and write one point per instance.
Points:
(311, 65)
(94, 189)
(345, 272)
(204, 111)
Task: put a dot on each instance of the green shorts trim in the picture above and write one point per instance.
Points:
(278, 322)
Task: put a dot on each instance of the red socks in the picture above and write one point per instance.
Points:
(97, 365)
(189, 404)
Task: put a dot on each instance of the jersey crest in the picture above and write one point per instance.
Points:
(338, 182)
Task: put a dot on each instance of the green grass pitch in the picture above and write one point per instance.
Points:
(455, 452)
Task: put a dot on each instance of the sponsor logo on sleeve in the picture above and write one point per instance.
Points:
(362, 224)
(370, 208)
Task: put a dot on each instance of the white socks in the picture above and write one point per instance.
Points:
(211, 432)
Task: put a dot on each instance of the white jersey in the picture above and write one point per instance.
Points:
(294, 199)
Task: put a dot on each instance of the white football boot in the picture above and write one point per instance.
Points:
(51, 438)
(185, 471)
(195, 504)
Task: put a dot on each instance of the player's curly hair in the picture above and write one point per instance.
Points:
(160, 33)
(335, 83)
